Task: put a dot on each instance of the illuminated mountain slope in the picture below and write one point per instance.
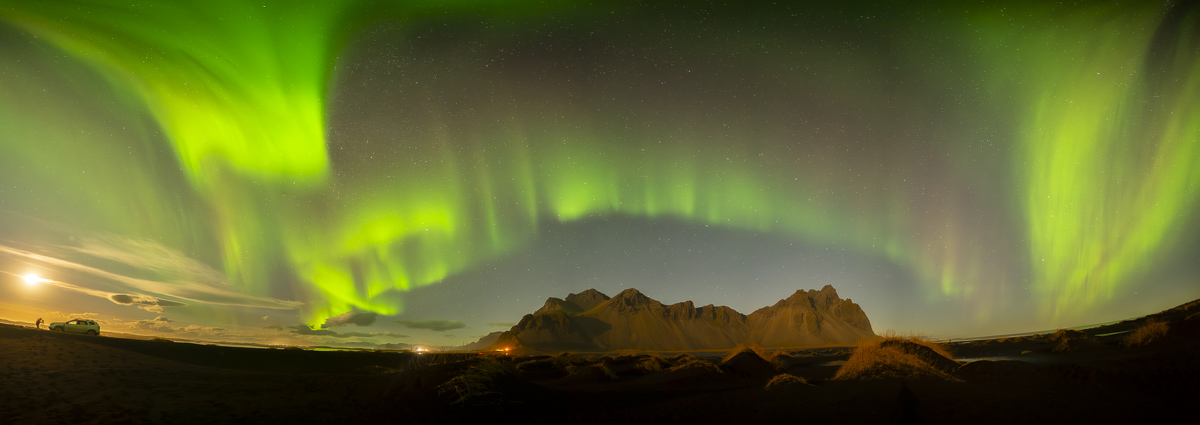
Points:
(631, 320)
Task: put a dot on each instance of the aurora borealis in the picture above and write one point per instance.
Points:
(958, 170)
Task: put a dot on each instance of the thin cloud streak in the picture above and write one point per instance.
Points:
(432, 324)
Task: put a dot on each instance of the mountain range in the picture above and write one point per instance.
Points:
(591, 320)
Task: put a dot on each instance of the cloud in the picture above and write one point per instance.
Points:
(305, 330)
(143, 302)
(389, 334)
(371, 334)
(160, 324)
(152, 325)
(200, 330)
(186, 278)
(432, 324)
(266, 318)
(501, 324)
(274, 327)
(352, 317)
(71, 316)
(399, 346)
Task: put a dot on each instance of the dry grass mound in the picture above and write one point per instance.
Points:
(780, 360)
(933, 354)
(747, 363)
(1149, 332)
(691, 373)
(1065, 340)
(653, 364)
(898, 357)
(586, 375)
(628, 366)
(680, 359)
(691, 363)
(543, 368)
(476, 384)
(785, 380)
(539, 365)
(757, 349)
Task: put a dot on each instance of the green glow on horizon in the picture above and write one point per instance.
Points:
(240, 91)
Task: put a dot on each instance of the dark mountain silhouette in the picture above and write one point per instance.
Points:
(591, 320)
(484, 342)
(575, 303)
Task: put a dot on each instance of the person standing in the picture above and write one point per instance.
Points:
(39, 322)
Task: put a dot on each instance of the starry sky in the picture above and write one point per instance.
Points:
(385, 174)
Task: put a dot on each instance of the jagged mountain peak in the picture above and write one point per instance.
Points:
(631, 299)
(587, 300)
(630, 293)
(821, 299)
(554, 304)
(826, 298)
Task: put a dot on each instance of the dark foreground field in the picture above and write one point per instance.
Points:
(1069, 377)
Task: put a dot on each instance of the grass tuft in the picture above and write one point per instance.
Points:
(785, 380)
(691, 362)
(1149, 332)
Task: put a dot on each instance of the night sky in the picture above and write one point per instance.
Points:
(363, 173)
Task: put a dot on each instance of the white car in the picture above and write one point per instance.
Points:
(79, 326)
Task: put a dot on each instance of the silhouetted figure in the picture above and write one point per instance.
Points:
(39, 323)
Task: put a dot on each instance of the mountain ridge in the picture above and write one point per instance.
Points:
(592, 320)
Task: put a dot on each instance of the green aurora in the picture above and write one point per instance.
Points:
(1023, 153)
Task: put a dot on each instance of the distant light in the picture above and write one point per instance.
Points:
(32, 279)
